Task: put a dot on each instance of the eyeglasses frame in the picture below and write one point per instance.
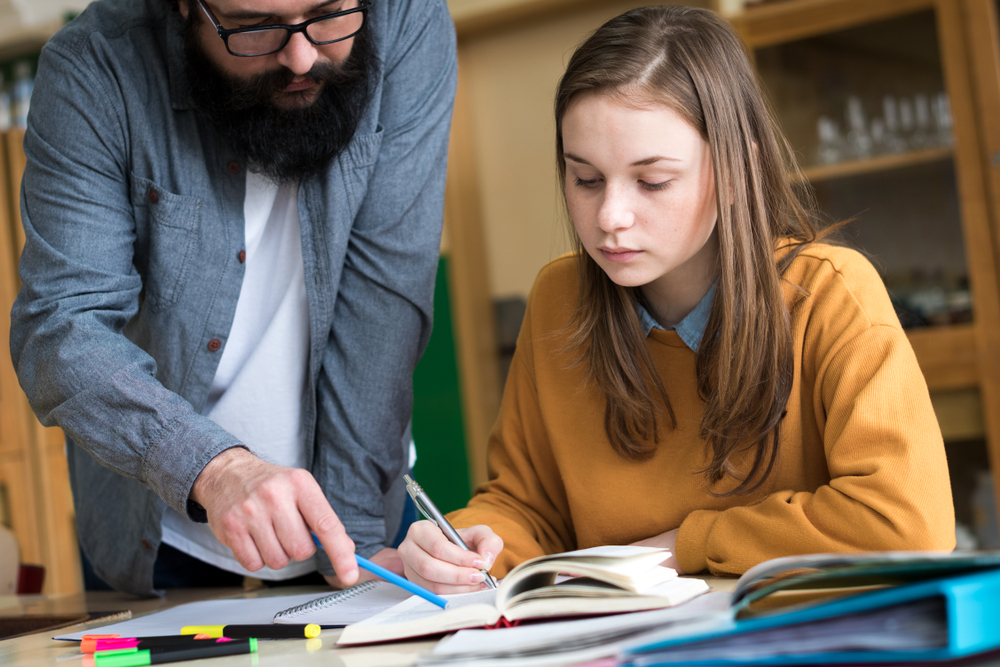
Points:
(224, 33)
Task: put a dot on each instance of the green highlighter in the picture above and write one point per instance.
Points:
(136, 658)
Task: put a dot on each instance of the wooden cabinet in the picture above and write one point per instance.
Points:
(35, 498)
(889, 107)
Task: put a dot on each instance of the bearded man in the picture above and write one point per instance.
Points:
(233, 213)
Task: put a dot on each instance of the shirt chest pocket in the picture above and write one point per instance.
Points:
(167, 227)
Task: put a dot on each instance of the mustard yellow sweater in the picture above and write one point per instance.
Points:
(861, 464)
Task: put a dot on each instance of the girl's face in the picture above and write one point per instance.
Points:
(641, 192)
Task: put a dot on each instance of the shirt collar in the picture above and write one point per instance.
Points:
(691, 328)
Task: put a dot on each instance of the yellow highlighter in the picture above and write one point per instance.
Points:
(258, 631)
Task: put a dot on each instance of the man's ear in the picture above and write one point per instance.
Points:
(182, 5)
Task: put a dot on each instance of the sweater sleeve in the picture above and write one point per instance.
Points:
(889, 487)
(524, 501)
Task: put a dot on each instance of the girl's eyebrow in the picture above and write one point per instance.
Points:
(574, 158)
(654, 159)
(638, 163)
(248, 15)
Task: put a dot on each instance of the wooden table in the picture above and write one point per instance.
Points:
(40, 649)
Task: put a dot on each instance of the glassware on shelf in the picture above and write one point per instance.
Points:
(878, 134)
(922, 137)
(941, 111)
(859, 141)
(894, 143)
(831, 148)
(916, 123)
(907, 121)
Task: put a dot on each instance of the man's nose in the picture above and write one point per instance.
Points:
(299, 54)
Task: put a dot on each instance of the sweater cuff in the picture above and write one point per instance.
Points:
(691, 548)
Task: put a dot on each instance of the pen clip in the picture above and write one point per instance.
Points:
(415, 491)
(423, 510)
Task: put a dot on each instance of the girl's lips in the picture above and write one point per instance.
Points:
(619, 255)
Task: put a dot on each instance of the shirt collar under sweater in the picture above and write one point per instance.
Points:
(691, 328)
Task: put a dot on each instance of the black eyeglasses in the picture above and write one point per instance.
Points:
(267, 39)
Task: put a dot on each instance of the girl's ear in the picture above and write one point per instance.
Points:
(182, 5)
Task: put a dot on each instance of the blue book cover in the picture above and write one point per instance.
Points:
(934, 620)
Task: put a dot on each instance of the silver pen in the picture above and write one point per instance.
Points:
(433, 514)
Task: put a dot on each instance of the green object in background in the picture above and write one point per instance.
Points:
(442, 467)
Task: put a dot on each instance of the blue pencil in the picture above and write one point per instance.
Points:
(394, 578)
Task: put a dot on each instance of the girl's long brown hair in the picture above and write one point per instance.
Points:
(693, 62)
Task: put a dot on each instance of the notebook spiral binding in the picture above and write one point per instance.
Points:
(327, 601)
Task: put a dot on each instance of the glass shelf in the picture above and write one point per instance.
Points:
(879, 163)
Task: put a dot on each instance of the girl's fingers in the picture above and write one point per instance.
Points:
(483, 541)
(430, 560)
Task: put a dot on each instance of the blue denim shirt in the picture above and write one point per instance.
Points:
(133, 214)
(692, 327)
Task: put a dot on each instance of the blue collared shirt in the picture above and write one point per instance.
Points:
(133, 215)
(691, 328)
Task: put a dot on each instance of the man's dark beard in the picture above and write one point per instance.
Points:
(283, 144)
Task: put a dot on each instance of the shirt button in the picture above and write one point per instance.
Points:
(146, 545)
(234, 167)
(214, 345)
(153, 197)
(242, 256)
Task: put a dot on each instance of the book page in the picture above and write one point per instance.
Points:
(585, 639)
(674, 592)
(828, 570)
(607, 551)
(416, 617)
(632, 569)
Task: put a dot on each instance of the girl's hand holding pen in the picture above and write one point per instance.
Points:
(431, 560)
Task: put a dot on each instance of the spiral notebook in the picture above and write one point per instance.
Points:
(347, 606)
(327, 609)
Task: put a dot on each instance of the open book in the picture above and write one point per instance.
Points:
(601, 580)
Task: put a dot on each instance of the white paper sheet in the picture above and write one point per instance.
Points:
(240, 611)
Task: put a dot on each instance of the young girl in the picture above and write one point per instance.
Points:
(702, 374)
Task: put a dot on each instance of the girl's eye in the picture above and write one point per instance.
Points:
(586, 184)
(654, 187)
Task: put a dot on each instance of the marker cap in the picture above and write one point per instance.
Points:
(115, 659)
(213, 631)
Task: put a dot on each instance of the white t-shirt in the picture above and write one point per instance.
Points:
(260, 384)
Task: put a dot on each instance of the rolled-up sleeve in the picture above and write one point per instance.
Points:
(81, 288)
